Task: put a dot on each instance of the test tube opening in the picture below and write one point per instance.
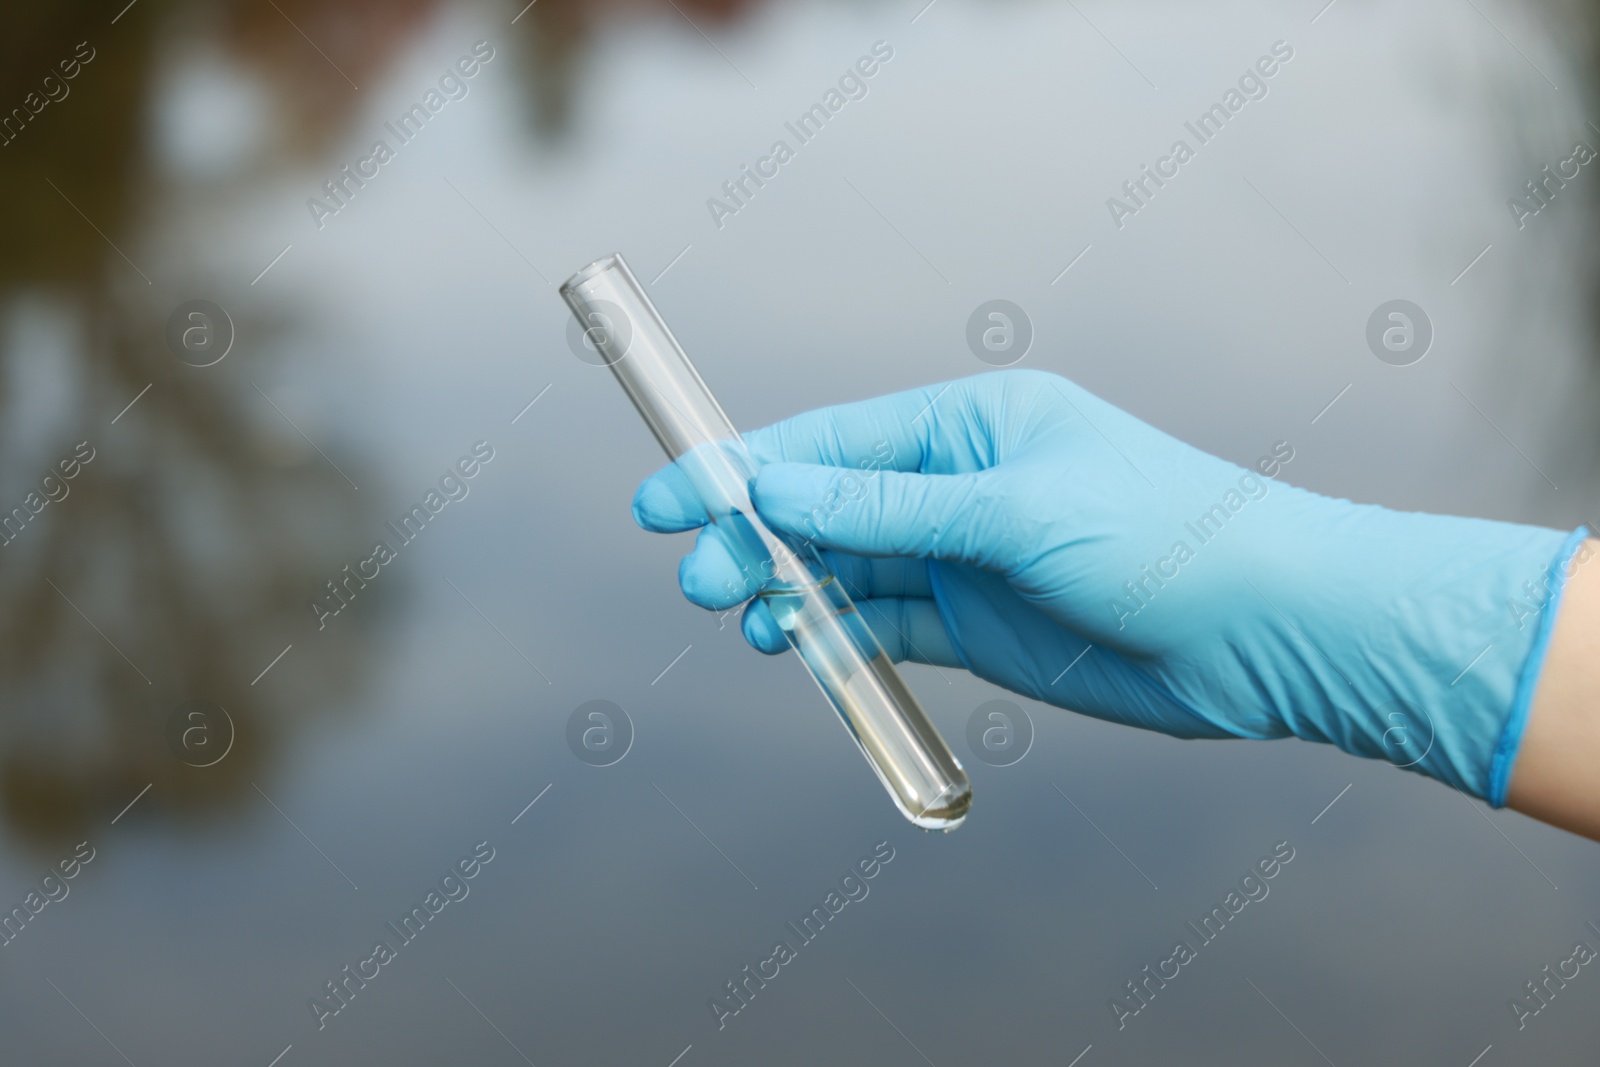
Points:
(589, 270)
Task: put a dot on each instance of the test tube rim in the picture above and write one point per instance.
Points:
(571, 290)
(589, 270)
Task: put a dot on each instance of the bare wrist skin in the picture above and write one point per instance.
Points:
(1556, 777)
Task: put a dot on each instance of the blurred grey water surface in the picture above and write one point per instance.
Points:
(372, 754)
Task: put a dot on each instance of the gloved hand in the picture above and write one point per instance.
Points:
(1019, 527)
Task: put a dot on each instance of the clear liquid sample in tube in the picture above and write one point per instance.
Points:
(824, 626)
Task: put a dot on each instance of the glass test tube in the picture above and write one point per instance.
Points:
(835, 643)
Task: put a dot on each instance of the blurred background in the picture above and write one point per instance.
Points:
(263, 793)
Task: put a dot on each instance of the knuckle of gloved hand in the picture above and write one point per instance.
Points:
(874, 496)
(892, 643)
(851, 487)
(894, 499)
(901, 648)
(761, 630)
(1022, 383)
(845, 492)
(1002, 525)
(698, 587)
(1029, 377)
(708, 577)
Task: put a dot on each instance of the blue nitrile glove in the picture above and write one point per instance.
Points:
(1020, 527)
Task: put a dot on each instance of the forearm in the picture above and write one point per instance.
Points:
(1555, 776)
